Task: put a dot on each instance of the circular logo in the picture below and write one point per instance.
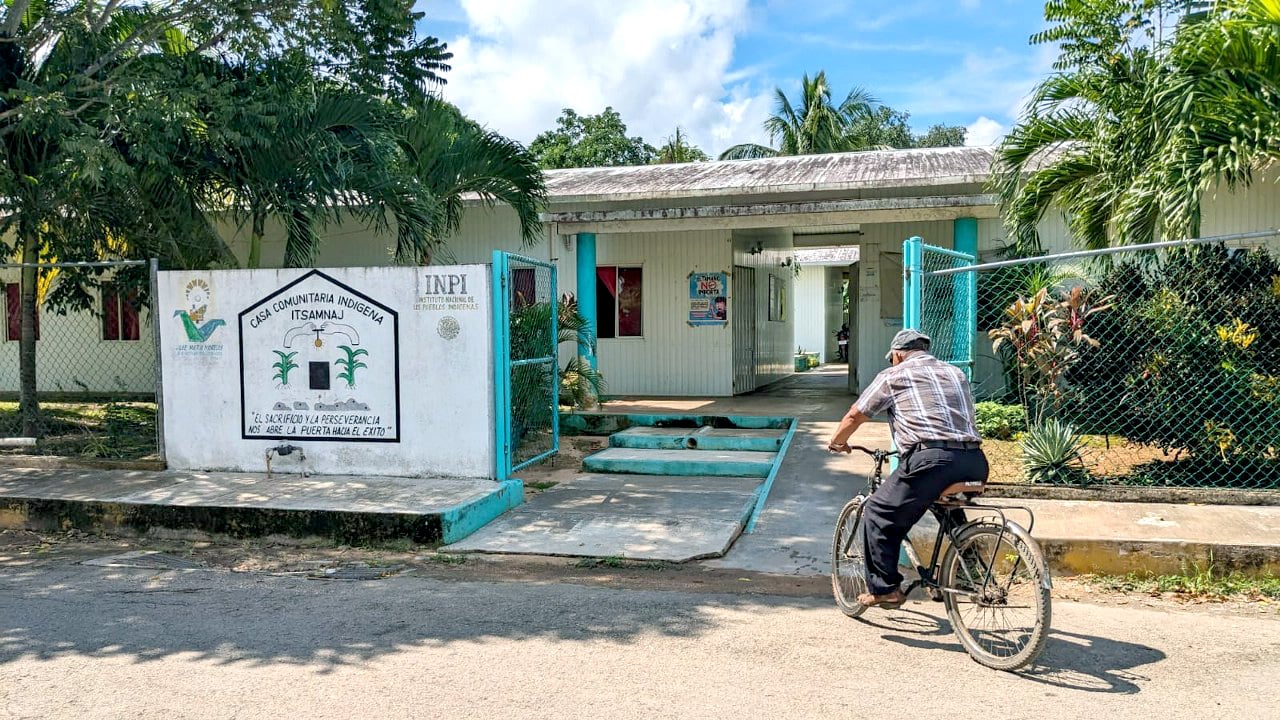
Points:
(449, 327)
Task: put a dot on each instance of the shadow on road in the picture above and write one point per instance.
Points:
(1070, 660)
(49, 611)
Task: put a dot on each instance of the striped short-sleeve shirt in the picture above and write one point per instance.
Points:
(925, 398)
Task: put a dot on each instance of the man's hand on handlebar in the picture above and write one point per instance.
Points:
(834, 447)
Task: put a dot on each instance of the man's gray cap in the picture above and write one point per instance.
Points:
(905, 340)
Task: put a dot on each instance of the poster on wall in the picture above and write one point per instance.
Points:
(708, 298)
(320, 360)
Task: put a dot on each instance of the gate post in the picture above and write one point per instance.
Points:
(501, 369)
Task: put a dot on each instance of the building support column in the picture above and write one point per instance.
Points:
(586, 265)
(964, 238)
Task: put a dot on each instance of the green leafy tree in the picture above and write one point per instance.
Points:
(940, 135)
(590, 141)
(117, 140)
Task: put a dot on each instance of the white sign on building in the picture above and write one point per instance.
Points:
(320, 360)
(380, 371)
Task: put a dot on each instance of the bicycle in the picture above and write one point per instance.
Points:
(991, 567)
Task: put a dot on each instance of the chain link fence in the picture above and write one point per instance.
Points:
(527, 371)
(1145, 367)
(94, 360)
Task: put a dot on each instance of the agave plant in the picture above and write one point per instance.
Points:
(1051, 453)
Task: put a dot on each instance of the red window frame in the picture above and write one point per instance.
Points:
(120, 314)
(13, 313)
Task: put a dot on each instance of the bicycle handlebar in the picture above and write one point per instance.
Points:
(870, 451)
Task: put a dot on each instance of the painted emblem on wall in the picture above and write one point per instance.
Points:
(449, 327)
(320, 360)
(197, 297)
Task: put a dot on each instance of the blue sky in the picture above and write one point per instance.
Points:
(710, 66)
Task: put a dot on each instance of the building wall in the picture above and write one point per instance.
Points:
(420, 405)
(673, 358)
(833, 291)
(775, 350)
(809, 307)
(73, 357)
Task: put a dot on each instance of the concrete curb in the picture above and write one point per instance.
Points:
(448, 525)
(60, 462)
(1118, 493)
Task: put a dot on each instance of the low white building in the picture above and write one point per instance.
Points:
(641, 239)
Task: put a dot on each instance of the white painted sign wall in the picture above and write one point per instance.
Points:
(380, 371)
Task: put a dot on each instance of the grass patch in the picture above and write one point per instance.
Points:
(618, 563)
(448, 559)
(101, 430)
(1199, 583)
(541, 485)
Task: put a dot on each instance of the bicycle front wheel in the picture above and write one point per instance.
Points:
(995, 585)
(848, 564)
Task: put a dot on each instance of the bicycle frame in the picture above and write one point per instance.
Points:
(949, 529)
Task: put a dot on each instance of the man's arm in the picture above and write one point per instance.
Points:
(848, 424)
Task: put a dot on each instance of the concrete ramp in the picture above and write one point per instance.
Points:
(637, 517)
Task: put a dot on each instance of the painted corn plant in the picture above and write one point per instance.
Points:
(284, 366)
(350, 363)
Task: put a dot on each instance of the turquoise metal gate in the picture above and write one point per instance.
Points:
(526, 368)
(943, 306)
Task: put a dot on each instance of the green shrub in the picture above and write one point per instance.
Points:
(1000, 422)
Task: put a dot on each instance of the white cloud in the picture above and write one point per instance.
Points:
(660, 64)
(984, 131)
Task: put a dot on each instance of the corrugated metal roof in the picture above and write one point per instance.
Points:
(800, 173)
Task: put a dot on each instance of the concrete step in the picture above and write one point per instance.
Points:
(704, 438)
(718, 463)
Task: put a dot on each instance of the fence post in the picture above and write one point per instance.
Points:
(912, 275)
(159, 361)
(501, 370)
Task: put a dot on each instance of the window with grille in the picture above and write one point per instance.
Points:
(119, 313)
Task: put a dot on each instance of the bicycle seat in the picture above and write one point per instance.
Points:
(961, 493)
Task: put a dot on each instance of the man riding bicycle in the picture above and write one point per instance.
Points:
(931, 417)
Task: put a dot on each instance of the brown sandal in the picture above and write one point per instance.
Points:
(891, 601)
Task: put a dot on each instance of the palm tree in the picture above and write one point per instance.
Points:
(815, 126)
(678, 150)
(1128, 141)
(452, 156)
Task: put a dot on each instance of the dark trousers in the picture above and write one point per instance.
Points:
(902, 500)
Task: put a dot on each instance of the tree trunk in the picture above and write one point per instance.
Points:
(28, 406)
(255, 240)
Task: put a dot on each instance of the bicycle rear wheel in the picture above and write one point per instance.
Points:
(848, 564)
(996, 590)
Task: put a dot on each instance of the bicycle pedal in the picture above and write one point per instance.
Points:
(935, 595)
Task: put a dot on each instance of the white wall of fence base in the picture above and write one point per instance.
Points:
(378, 371)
